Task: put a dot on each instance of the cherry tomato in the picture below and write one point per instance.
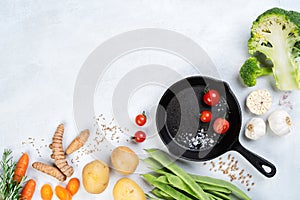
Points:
(141, 119)
(211, 97)
(139, 136)
(205, 116)
(221, 125)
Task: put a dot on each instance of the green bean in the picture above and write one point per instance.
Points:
(164, 187)
(154, 165)
(213, 197)
(176, 182)
(156, 193)
(213, 191)
(161, 194)
(206, 183)
(151, 198)
(221, 195)
(162, 171)
(209, 187)
(163, 179)
(164, 160)
(218, 182)
(213, 184)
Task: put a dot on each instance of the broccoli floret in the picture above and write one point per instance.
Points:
(276, 34)
(251, 70)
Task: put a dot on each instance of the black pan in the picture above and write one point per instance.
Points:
(177, 120)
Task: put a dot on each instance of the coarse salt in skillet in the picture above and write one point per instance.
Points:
(205, 138)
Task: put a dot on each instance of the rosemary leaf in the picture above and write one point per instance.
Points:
(9, 188)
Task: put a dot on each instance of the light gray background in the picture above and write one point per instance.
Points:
(44, 44)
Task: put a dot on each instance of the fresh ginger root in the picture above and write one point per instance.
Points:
(50, 170)
(58, 153)
(78, 142)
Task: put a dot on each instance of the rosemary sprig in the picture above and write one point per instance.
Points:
(9, 188)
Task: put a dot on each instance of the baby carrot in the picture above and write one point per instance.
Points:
(46, 192)
(73, 186)
(28, 190)
(21, 167)
(62, 193)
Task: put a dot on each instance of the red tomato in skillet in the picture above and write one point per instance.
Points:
(211, 97)
(221, 125)
(205, 116)
(141, 119)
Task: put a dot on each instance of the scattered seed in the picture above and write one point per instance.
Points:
(230, 168)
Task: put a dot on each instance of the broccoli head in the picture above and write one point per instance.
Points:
(276, 34)
(251, 70)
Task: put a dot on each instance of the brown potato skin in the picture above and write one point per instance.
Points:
(124, 160)
(95, 177)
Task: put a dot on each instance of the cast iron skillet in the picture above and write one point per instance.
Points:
(177, 120)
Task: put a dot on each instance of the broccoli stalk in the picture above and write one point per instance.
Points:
(276, 34)
(251, 70)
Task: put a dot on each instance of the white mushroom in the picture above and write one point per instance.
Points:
(255, 128)
(259, 101)
(280, 122)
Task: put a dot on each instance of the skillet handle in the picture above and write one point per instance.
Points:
(261, 164)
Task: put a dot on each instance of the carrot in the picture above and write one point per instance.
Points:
(46, 192)
(28, 190)
(73, 186)
(21, 168)
(62, 193)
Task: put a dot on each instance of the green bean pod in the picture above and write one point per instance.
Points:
(164, 160)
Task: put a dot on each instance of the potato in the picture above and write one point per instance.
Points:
(127, 189)
(95, 177)
(124, 160)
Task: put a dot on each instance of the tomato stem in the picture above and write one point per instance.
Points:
(206, 89)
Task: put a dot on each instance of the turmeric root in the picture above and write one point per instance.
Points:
(78, 142)
(50, 170)
(58, 153)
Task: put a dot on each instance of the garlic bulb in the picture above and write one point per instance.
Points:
(259, 101)
(255, 128)
(280, 122)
